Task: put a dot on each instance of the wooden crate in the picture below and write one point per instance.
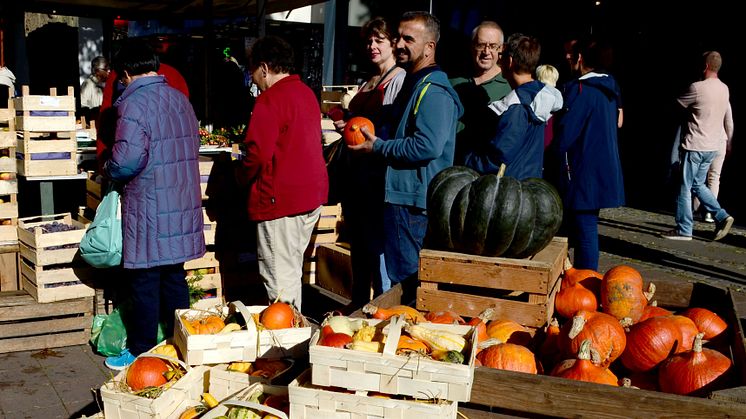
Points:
(7, 126)
(122, 405)
(540, 395)
(45, 113)
(311, 402)
(8, 267)
(49, 274)
(92, 184)
(27, 325)
(29, 148)
(9, 215)
(395, 374)
(210, 228)
(224, 383)
(205, 168)
(334, 269)
(520, 289)
(330, 216)
(317, 239)
(283, 343)
(209, 268)
(8, 165)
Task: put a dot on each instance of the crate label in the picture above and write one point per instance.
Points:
(49, 101)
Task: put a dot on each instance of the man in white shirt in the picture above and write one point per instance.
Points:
(709, 123)
(92, 89)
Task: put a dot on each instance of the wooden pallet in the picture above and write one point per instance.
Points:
(27, 325)
(520, 289)
(527, 395)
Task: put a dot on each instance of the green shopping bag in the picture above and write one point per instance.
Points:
(109, 333)
(101, 246)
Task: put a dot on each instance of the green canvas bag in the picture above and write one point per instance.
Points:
(101, 246)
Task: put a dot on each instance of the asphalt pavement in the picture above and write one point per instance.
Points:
(62, 382)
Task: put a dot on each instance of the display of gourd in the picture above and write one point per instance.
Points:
(491, 215)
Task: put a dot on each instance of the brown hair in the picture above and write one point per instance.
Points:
(525, 51)
(377, 27)
(432, 24)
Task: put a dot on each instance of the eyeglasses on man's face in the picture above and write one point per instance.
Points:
(482, 46)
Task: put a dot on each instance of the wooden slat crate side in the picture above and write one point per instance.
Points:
(49, 295)
(33, 343)
(7, 138)
(30, 146)
(19, 305)
(47, 168)
(527, 314)
(9, 210)
(44, 103)
(8, 187)
(317, 239)
(37, 239)
(8, 234)
(207, 261)
(205, 165)
(92, 187)
(7, 115)
(92, 202)
(51, 326)
(334, 269)
(42, 257)
(470, 270)
(8, 165)
(45, 123)
(309, 271)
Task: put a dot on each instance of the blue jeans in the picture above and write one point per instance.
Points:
(156, 293)
(584, 238)
(405, 229)
(694, 166)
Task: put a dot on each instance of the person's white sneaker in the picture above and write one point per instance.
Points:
(708, 218)
(674, 235)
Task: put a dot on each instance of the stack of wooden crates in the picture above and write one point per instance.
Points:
(8, 199)
(54, 308)
(47, 125)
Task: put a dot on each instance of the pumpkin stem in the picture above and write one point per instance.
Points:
(577, 326)
(568, 265)
(489, 342)
(370, 309)
(487, 314)
(501, 172)
(654, 303)
(584, 352)
(650, 293)
(626, 382)
(697, 347)
(595, 356)
(554, 322)
(626, 322)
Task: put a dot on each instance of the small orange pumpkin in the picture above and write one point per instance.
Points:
(444, 317)
(352, 134)
(508, 356)
(622, 293)
(278, 315)
(208, 326)
(508, 331)
(407, 343)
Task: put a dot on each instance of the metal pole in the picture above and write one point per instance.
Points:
(261, 17)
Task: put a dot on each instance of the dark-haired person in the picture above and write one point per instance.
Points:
(520, 116)
(155, 156)
(423, 122)
(92, 88)
(285, 167)
(362, 200)
(708, 128)
(586, 143)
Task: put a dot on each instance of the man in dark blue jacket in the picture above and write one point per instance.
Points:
(426, 112)
(520, 116)
(586, 139)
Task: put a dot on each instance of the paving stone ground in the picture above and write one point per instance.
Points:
(60, 383)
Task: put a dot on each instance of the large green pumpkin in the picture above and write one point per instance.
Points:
(491, 215)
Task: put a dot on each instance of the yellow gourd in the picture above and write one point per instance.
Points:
(166, 350)
(239, 366)
(359, 345)
(437, 340)
(365, 333)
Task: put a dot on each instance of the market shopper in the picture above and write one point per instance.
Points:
(587, 151)
(362, 198)
(285, 167)
(709, 124)
(155, 158)
(520, 117)
(424, 118)
(92, 88)
(486, 85)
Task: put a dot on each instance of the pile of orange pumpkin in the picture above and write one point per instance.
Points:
(614, 333)
(207, 325)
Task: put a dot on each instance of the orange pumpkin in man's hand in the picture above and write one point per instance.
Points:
(352, 134)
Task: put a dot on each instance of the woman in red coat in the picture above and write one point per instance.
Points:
(285, 165)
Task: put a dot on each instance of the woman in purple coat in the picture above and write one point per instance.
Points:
(154, 158)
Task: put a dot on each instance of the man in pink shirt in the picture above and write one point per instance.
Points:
(709, 123)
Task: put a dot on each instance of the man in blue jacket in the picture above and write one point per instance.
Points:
(425, 114)
(520, 116)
